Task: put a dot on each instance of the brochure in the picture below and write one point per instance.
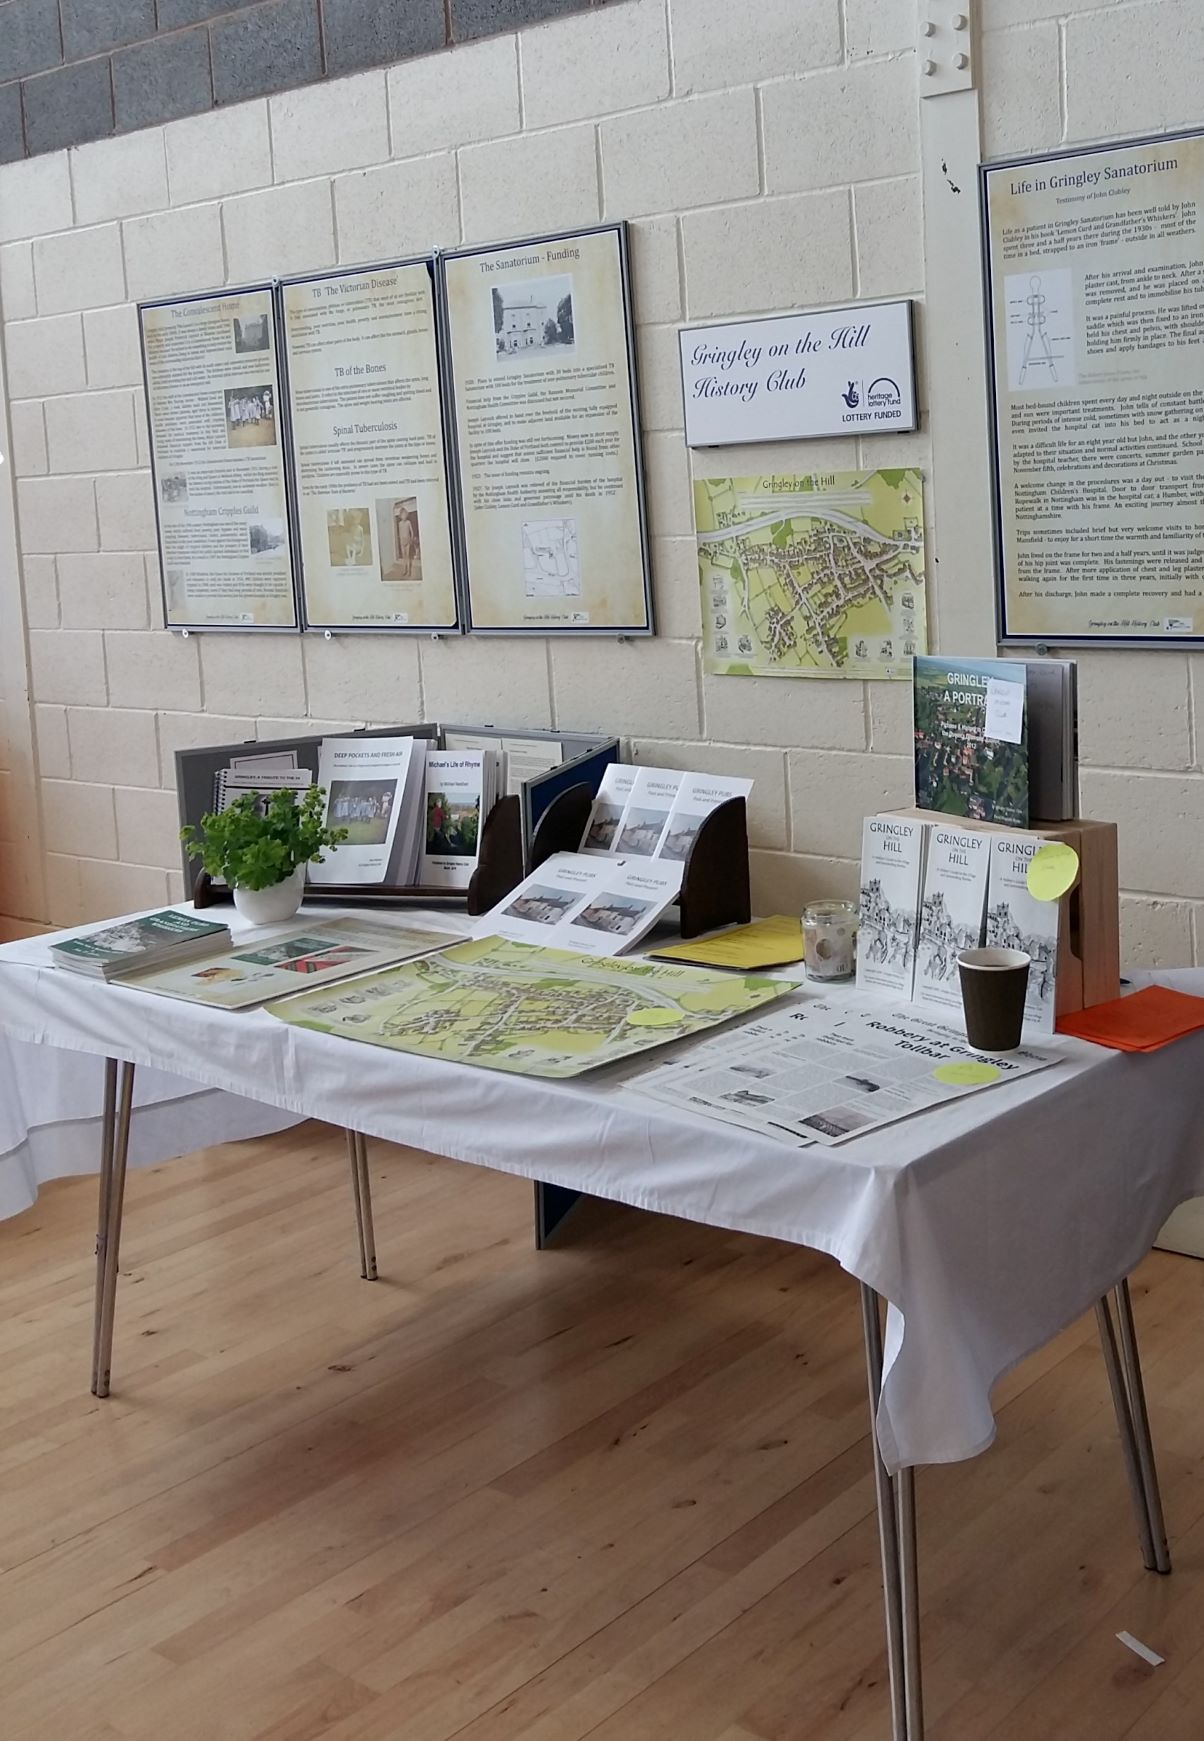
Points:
(594, 905)
(892, 861)
(374, 789)
(951, 914)
(602, 829)
(461, 786)
(774, 942)
(697, 796)
(655, 812)
(123, 948)
(251, 973)
(646, 816)
(971, 738)
(1017, 920)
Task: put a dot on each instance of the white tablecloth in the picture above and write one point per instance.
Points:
(988, 1224)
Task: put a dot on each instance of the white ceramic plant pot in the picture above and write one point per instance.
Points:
(272, 905)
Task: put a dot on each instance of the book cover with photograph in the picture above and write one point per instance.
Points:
(951, 912)
(133, 943)
(1018, 920)
(971, 738)
(892, 863)
(371, 783)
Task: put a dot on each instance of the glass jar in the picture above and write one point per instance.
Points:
(830, 939)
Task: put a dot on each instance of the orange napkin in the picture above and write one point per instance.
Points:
(1140, 1023)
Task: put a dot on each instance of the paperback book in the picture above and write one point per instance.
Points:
(971, 738)
(1017, 920)
(137, 943)
(595, 906)
(892, 864)
(952, 912)
(461, 787)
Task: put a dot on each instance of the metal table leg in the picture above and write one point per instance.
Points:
(353, 1155)
(888, 1529)
(1123, 1365)
(118, 1107)
(361, 1187)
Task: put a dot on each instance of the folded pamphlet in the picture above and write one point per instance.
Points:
(892, 864)
(1016, 919)
(594, 905)
(654, 812)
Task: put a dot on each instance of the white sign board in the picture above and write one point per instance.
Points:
(842, 371)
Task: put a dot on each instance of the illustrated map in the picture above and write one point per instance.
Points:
(517, 1007)
(819, 576)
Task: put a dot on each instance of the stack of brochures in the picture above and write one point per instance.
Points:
(594, 906)
(654, 812)
(134, 944)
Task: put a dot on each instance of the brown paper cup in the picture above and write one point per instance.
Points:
(994, 983)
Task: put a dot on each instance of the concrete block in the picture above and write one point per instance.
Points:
(249, 673)
(62, 890)
(113, 743)
(480, 681)
(667, 481)
(888, 221)
(655, 269)
(148, 827)
(1133, 70)
(659, 377)
(30, 39)
(224, 152)
(68, 666)
(67, 106)
(90, 433)
(56, 514)
(523, 186)
(174, 14)
(371, 33)
(767, 804)
(891, 719)
(865, 784)
(92, 26)
(675, 589)
(161, 79)
(174, 252)
(120, 177)
(39, 586)
(1155, 933)
(595, 64)
(148, 668)
(77, 818)
(18, 297)
(792, 711)
(399, 209)
(79, 269)
(881, 26)
(682, 154)
(35, 197)
(1159, 818)
(29, 456)
(269, 731)
(365, 677)
(12, 126)
(194, 731)
(111, 350)
(103, 590)
(767, 256)
(818, 454)
(484, 17)
(1022, 70)
(1134, 710)
(784, 882)
(814, 134)
(282, 230)
(641, 689)
(267, 48)
(324, 128)
(457, 98)
(125, 508)
(713, 49)
(51, 741)
(106, 891)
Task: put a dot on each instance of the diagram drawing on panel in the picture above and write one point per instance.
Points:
(1040, 329)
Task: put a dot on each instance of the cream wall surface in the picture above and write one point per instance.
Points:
(768, 158)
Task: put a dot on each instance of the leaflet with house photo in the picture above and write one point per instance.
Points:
(645, 822)
(892, 862)
(461, 786)
(1017, 920)
(697, 796)
(602, 829)
(593, 905)
(951, 914)
(373, 789)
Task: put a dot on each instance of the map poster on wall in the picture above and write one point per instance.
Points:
(542, 383)
(214, 408)
(817, 576)
(366, 439)
(1096, 339)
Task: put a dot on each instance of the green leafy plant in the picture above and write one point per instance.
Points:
(258, 841)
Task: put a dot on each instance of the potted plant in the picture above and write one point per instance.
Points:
(260, 846)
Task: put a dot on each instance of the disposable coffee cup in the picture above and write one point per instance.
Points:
(994, 984)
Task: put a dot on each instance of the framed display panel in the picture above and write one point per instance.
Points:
(217, 420)
(1096, 381)
(367, 449)
(543, 412)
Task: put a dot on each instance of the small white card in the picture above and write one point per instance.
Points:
(1005, 711)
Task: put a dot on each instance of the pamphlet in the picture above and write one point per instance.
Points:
(522, 758)
(892, 860)
(251, 973)
(971, 738)
(655, 812)
(594, 905)
(461, 786)
(951, 913)
(645, 821)
(775, 942)
(1017, 920)
(697, 796)
(133, 943)
(602, 829)
(374, 790)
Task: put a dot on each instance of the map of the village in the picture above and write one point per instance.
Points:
(812, 576)
(539, 1012)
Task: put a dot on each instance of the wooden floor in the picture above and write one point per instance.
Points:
(618, 1490)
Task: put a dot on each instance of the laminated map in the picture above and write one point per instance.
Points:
(538, 1012)
(819, 576)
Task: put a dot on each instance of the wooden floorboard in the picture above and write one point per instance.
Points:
(618, 1489)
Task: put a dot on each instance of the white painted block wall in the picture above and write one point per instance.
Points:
(768, 157)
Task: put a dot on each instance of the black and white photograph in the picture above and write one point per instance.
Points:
(399, 540)
(251, 416)
(266, 537)
(540, 905)
(174, 487)
(349, 537)
(615, 914)
(252, 333)
(533, 319)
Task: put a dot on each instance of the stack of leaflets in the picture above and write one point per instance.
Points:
(654, 812)
(1016, 919)
(892, 868)
(133, 944)
(595, 906)
(952, 911)
(461, 789)
(375, 789)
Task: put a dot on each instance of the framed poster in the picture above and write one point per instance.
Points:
(211, 370)
(542, 389)
(366, 449)
(1096, 352)
(835, 371)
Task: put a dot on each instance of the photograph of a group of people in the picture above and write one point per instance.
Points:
(363, 808)
(251, 416)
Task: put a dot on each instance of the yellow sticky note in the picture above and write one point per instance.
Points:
(967, 1074)
(653, 1018)
(1052, 870)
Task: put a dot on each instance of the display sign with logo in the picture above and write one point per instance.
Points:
(839, 371)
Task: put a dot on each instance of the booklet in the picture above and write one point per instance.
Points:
(235, 782)
(119, 949)
(1018, 920)
(374, 790)
(646, 816)
(522, 758)
(602, 829)
(951, 913)
(655, 812)
(461, 786)
(971, 738)
(697, 796)
(892, 863)
(594, 905)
